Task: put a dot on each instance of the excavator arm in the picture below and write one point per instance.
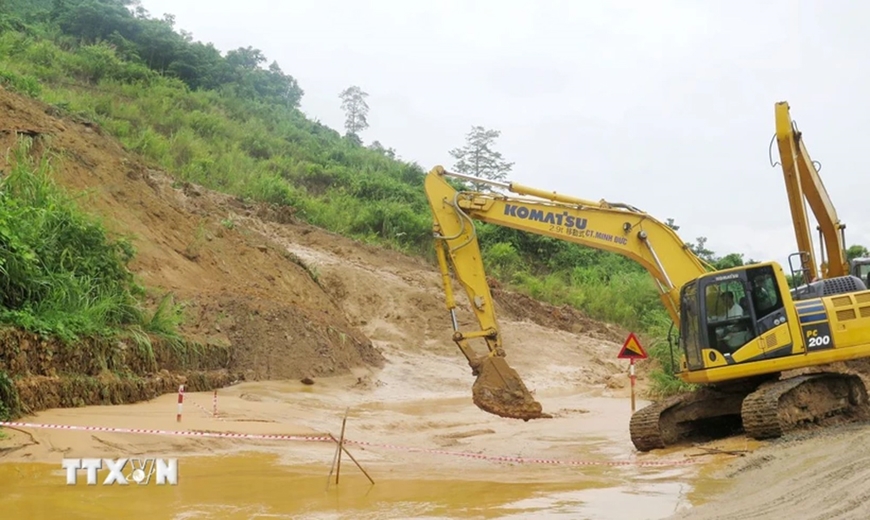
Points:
(803, 183)
(614, 227)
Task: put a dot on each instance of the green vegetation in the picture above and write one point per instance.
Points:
(228, 123)
(9, 403)
(60, 274)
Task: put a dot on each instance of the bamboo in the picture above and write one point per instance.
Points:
(341, 445)
(352, 458)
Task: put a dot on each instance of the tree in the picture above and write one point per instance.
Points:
(378, 147)
(701, 251)
(856, 251)
(729, 260)
(353, 102)
(718, 262)
(245, 58)
(478, 158)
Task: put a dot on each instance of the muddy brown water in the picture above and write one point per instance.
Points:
(258, 486)
(236, 478)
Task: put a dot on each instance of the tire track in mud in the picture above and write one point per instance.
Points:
(820, 474)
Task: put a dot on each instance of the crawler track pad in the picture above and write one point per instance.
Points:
(500, 391)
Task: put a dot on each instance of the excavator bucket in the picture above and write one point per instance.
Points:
(499, 390)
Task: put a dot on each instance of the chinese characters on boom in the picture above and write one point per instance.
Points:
(561, 222)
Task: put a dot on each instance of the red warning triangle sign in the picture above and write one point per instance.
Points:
(631, 349)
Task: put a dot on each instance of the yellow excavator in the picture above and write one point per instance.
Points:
(739, 328)
(804, 185)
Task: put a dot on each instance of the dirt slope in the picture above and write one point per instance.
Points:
(242, 290)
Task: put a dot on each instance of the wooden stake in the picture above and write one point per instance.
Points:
(341, 445)
(332, 467)
(351, 458)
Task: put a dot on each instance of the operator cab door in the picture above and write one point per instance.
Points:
(739, 308)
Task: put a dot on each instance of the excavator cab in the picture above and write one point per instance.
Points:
(861, 269)
(723, 312)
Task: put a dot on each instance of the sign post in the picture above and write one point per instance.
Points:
(632, 350)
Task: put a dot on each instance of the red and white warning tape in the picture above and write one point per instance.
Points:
(213, 415)
(148, 431)
(526, 460)
(326, 438)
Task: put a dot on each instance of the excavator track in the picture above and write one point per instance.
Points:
(779, 406)
(644, 425)
(706, 413)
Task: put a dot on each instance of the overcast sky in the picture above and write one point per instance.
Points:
(665, 105)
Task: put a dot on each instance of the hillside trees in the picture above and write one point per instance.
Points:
(378, 147)
(479, 158)
(155, 43)
(353, 102)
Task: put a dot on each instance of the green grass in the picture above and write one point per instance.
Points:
(60, 273)
(9, 404)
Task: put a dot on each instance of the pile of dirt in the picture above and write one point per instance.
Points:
(398, 301)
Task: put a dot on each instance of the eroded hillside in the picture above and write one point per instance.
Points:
(287, 300)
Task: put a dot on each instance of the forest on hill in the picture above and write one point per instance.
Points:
(230, 121)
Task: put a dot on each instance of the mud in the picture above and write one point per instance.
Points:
(819, 474)
(236, 478)
(499, 390)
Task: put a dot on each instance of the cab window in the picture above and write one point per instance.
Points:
(729, 315)
(864, 274)
(726, 300)
(690, 335)
(765, 295)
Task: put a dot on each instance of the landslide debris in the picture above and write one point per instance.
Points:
(243, 293)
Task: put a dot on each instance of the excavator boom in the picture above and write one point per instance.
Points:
(803, 183)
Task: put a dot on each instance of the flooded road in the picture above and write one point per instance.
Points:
(257, 485)
(410, 455)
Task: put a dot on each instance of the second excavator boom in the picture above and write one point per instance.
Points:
(804, 185)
